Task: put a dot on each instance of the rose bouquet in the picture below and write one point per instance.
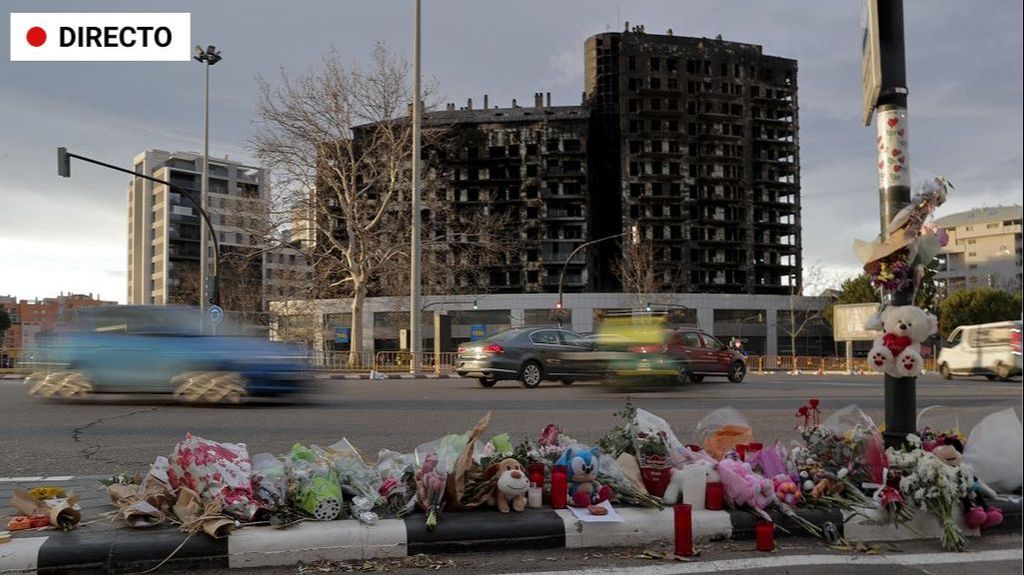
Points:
(398, 483)
(434, 461)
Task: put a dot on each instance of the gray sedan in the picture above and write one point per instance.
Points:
(527, 354)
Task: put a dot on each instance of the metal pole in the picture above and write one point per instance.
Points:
(561, 275)
(204, 190)
(894, 193)
(415, 342)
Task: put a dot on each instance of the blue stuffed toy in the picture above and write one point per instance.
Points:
(582, 465)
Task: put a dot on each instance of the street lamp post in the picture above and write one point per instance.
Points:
(64, 170)
(207, 57)
(561, 276)
(415, 340)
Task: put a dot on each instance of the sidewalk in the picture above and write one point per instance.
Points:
(108, 547)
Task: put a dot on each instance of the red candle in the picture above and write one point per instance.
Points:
(684, 529)
(559, 487)
(714, 495)
(741, 450)
(765, 531)
(536, 473)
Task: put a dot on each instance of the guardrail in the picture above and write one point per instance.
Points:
(383, 361)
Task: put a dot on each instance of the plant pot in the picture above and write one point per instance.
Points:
(656, 479)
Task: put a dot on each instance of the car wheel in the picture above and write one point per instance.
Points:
(567, 382)
(1003, 371)
(737, 371)
(695, 377)
(531, 374)
(211, 387)
(60, 384)
(945, 372)
(487, 381)
(990, 377)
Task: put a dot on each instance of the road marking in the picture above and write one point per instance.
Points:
(760, 563)
(60, 478)
(20, 479)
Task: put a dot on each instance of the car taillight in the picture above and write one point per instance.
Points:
(462, 349)
(638, 349)
(1015, 340)
(494, 348)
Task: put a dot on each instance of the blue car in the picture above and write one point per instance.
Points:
(164, 349)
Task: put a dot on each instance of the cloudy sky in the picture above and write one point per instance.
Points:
(963, 59)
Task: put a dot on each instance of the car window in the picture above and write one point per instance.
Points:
(570, 338)
(549, 337)
(711, 343)
(954, 339)
(691, 339)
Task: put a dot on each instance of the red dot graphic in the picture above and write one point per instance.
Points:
(36, 36)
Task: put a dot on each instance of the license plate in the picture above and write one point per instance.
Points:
(643, 366)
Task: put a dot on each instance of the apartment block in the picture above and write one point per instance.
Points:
(696, 142)
(984, 249)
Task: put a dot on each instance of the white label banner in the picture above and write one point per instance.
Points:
(101, 37)
(893, 156)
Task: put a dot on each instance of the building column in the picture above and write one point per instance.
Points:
(583, 319)
(367, 344)
(517, 317)
(771, 336)
(706, 319)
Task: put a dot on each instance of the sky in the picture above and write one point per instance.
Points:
(963, 65)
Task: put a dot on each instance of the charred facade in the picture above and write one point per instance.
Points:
(695, 141)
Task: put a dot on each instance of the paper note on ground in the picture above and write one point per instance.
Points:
(588, 517)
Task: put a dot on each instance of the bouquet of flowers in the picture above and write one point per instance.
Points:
(398, 484)
(892, 273)
(610, 473)
(314, 488)
(928, 483)
(216, 471)
(358, 480)
(722, 430)
(434, 461)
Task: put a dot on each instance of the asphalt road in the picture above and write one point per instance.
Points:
(112, 434)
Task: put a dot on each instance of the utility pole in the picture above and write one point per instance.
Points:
(884, 37)
(207, 292)
(415, 341)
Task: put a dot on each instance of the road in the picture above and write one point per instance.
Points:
(113, 434)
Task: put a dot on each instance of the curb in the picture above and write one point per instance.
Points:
(127, 551)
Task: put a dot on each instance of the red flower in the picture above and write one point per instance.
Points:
(814, 402)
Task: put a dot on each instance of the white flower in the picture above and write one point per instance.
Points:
(843, 472)
(919, 494)
(913, 440)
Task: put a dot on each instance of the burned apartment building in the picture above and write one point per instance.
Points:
(525, 166)
(692, 140)
(695, 141)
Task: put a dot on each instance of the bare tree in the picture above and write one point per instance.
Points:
(636, 269)
(338, 144)
(814, 280)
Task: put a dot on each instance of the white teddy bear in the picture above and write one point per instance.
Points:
(674, 491)
(898, 351)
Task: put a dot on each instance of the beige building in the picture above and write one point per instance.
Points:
(164, 232)
(984, 249)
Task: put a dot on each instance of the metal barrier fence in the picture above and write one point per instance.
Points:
(761, 364)
(383, 361)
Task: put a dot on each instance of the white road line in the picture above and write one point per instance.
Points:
(802, 560)
(20, 479)
(60, 478)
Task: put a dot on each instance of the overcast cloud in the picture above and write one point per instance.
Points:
(963, 59)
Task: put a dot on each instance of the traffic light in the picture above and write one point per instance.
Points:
(634, 235)
(63, 162)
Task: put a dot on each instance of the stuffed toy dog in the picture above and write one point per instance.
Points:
(509, 491)
(898, 351)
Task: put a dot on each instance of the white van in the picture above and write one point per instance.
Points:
(989, 349)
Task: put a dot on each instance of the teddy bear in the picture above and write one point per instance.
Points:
(509, 491)
(674, 491)
(898, 351)
(977, 513)
(582, 465)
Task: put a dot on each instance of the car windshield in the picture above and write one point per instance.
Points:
(148, 320)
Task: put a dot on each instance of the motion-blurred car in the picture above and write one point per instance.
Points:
(990, 349)
(528, 354)
(701, 354)
(161, 349)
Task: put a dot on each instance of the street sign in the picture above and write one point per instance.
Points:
(871, 59)
(849, 319)
(477, 332)
(342, 335)
(216, 314)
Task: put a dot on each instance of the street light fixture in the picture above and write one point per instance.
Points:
(633, 232)
(207, 57)
(64, 170)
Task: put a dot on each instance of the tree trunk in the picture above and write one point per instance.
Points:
(356, 338)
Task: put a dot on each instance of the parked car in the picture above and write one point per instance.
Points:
(527, 354)
(701, 354)
(161, 349)
(990, 349)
